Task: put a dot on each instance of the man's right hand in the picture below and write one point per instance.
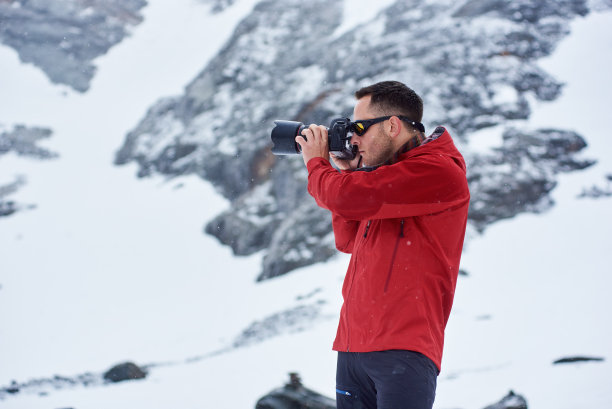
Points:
(346, 164)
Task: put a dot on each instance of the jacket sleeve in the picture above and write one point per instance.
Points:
(344, 232)
(420, 185)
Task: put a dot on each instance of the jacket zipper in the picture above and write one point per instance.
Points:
(365, 233)
(400, 235)
(348, 297)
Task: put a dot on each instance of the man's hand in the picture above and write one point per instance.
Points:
(313, 143)
(346, 164)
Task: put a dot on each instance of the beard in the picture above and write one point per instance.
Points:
(381, 150)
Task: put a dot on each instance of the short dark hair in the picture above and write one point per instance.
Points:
(393, 98)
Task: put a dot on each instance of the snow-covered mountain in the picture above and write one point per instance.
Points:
(99, 267)
(475, 63)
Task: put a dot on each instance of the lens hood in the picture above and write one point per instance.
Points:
(283, 137)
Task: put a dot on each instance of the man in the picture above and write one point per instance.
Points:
(400, 208)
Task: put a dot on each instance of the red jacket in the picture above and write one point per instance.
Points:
(404, 224)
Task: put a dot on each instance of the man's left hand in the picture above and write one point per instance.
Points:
(313, 143)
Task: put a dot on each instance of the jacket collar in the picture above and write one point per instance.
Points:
(415, 142)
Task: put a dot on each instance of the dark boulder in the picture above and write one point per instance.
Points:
(124, 372)
(295, 396)
(575, 359)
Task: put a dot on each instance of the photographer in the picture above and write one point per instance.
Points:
(400, 208)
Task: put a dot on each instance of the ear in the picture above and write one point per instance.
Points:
(395, 126)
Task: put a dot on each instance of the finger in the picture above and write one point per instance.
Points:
(314, 130)
(319, 132)
(308, 134)
(323, 131)
(300, 140)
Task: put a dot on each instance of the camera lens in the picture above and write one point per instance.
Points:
(283, 137)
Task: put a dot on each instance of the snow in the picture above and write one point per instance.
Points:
(360, 12)
(485, 139)
(110, 268)
(105, 258)
(544, 279)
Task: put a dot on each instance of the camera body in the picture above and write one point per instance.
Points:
(338, 138)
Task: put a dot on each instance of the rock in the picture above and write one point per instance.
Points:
(43, 386)
(575, 359)
(596, 192)
(510, 401)
(518, 176)
(23, 141)
(124, 372)
(295, 396)
(288, 321)
(63, 37)
(13, 389)
(8, 207)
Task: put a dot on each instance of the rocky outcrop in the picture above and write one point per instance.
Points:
(598, 191)
(63, 37)
(22, 141)
(474, 62)
(124, 372)
(42, 386)
(8, 207)
(577, 359)
(218, 6)
(293, 320)
(518, 176)
(510, 401)
(295, 396)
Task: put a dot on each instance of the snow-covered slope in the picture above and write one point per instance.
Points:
(108, 268)
(105, 254)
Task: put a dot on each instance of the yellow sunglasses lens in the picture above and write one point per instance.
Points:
(359, 128)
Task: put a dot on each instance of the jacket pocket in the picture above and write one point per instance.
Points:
(397, 242)
(347, 398)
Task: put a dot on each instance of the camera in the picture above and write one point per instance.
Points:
(339, 140)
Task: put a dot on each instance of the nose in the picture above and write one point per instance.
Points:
(354, 140)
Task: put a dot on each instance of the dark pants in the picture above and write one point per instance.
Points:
(395, 379)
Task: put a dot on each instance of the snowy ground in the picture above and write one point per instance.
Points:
(109, 268)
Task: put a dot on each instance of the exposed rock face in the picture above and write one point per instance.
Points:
(473, 62)
(291, 320)
(518, 176)
(22, 141)
(295, 396)
(64, 37)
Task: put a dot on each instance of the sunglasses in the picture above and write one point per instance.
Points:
(361, 127)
